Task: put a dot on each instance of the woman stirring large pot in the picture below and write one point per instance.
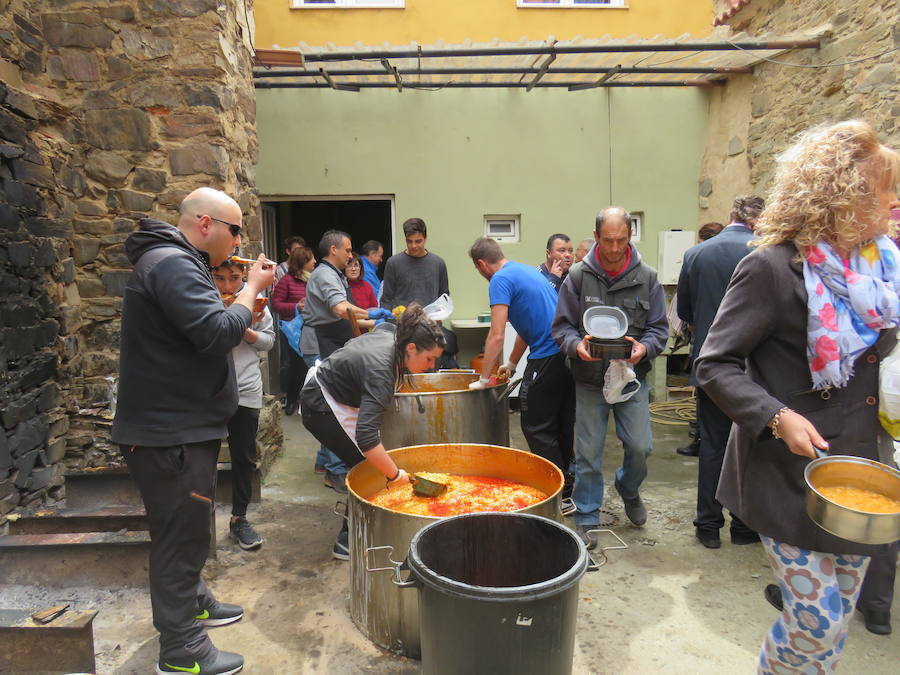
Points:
(345, 397)
(792, 358)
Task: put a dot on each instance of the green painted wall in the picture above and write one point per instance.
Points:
(452, 156)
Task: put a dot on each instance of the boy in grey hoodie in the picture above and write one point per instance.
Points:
(242, 427)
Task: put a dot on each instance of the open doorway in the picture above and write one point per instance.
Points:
(363, 218)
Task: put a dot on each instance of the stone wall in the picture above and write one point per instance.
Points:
(109, 111)
(756, 116)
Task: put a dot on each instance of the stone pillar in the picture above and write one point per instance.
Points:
(109, 111)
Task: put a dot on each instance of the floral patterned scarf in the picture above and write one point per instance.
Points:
(850, 301)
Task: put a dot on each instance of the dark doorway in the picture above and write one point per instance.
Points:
(362, 219)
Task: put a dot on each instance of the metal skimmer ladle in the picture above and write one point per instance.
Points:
(427, 488)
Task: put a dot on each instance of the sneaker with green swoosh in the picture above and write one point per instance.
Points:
(220, 663)
(220, 614)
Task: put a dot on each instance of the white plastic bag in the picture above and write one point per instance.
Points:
(620, 383)
(440, 309)
(889, 393)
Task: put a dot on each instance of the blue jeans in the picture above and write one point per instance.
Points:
(632, 428)
(325, 457)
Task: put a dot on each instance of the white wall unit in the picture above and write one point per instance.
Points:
(672, 245)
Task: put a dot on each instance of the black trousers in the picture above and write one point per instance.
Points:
(329, 432)
(332, 336)
(878, 586)
(713, 427)
(177, 485)
(547, 399)
(242, 428)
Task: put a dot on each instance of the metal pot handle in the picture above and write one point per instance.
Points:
(512, 384)
(394, 566)
(340, 509)
(593, 565)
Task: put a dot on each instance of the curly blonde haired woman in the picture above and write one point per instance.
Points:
(792, 358)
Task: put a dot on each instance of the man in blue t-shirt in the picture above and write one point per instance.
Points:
(521, 295)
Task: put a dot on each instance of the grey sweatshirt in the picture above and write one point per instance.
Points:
(246, 361)
(408, 279)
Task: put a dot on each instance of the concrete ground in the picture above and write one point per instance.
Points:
(665, 605)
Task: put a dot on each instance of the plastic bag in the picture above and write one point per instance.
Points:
(620, 383)
(889, 393)
(292, 330)
(678, 329)
(440, 309)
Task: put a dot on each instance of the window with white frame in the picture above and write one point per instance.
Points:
(572, 3)
(347, 4)
(637, 222)
(502, 228)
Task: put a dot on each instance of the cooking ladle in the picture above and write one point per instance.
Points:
(427, 488)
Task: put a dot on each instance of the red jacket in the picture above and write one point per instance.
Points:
(363, 294)
(288, 292)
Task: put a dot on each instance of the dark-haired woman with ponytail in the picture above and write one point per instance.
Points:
(344, 399)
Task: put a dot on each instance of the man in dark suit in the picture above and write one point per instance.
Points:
(705, 273)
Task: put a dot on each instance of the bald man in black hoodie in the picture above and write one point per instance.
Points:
(177, 391)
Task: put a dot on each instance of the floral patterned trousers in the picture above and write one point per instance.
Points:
(820, 592)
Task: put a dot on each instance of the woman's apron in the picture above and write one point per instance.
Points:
(346, 415)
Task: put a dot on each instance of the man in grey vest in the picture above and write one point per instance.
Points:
(611, 274)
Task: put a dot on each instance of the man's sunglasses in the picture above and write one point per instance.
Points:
(234, 229)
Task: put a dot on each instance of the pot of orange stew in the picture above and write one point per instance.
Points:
(480, 478)
(854, 498)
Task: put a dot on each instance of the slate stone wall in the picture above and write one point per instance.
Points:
(109, 111)
(754, 117)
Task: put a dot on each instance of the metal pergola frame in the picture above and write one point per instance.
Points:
(609, 75)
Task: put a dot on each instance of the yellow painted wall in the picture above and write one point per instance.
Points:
(454, 21)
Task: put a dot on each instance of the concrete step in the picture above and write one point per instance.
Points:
(103, 486)
(60, 521)
(64, 645)
(75, 559)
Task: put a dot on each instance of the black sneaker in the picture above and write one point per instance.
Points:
(244, 534)
(341, 549)
(634, 508)
(222, 663)
(336, 481)
(221, 614)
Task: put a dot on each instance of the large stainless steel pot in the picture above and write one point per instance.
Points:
(389, 617)
(440, 408)
(842, 521)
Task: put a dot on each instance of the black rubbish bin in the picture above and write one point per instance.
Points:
(498, 593)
